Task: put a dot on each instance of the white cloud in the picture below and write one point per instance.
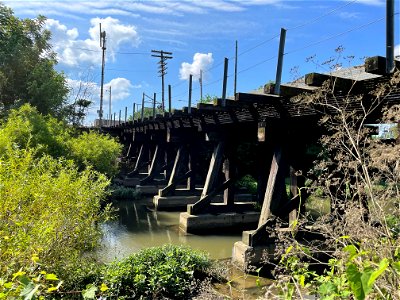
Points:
(397, 51)
(120, 88)
(72, 51)
(201, 61)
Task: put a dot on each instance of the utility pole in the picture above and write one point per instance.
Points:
(109, 107)
(225, 81)
(236, 64)
(190, 94)
(164, 56)
(279, 66)
(201, 85)
(103, 48)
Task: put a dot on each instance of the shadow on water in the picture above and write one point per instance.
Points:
(138, 227)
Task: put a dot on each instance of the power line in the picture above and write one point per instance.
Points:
(335, 36)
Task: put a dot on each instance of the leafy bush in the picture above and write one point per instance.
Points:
(94, 149)
(48, 209)
(123, 193)
(249, 183)
(27, 128)
(154, 273)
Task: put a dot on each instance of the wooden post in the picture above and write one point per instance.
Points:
(214, 169)
(169, 99)
(278, 77)
(190, 94)
(296, 195)
(225, 81)
(154, 105)
(275, 186)
(191, 184)
(229, 171)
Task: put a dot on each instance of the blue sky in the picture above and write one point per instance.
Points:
(200, 34)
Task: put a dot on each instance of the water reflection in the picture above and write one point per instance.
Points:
(138, 227)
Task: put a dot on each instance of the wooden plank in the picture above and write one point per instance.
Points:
(155, 164)
(229, 172)
(202, 205)
(211, 179)
(275, 186)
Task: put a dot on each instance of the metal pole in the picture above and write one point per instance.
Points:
(126, 112)
(390, 36)
(201, 85)
(133, 111)
(169, 99)
(109, 109)
(119, 118)
(154, 105)
(278, 78)
(142, 116)
(225, 81)
(114, 119)
(190, 94)
(103, 47)
(236, 65)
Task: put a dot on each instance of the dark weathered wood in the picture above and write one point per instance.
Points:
(275, 186)
(170, 188)
(178, 164)
(156, 164)
(214, 169)
(229, 172)
(202, 206)
(375, 65)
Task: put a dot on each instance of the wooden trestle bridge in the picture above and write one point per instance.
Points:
(194, 156)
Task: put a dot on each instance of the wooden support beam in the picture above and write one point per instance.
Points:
(296, 195)
(214, 168)
(155, 164)
(202, 205)
(178, 162)
(140, 161)
(211, 179)
(275, 186)
(191, 184)
(229, 172)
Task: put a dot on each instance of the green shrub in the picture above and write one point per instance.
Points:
(249, 183)
(123, 193)
(48, 209)
(154, 273)
(27, 128)
(97, 150)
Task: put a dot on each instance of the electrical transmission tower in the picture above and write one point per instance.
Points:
(103, 47)
(164, 56)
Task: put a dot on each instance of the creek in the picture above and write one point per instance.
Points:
(137, 227)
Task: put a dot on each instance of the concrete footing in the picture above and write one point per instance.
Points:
(176, 203)
(245, 255)
(217, 223)
(148, 189)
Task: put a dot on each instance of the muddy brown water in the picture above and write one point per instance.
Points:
(137, 227)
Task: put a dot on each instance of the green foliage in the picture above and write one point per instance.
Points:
(48, 209)
(27, 128)
(249, 183)
(155, 273)
(355, 275)
(94, 149)
(30, 283)
(123, 193)
(208, 99)
(27, 66)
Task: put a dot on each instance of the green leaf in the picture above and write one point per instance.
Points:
(396, 266)
(365, 278)
(90, 292)
(51, 277)
(352, 250)
(354, 278)
(381, 268)
(327, 288)
(29, 291)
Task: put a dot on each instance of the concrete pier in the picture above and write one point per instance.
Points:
(218, 222)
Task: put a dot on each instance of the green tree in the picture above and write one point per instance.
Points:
(27, 73)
